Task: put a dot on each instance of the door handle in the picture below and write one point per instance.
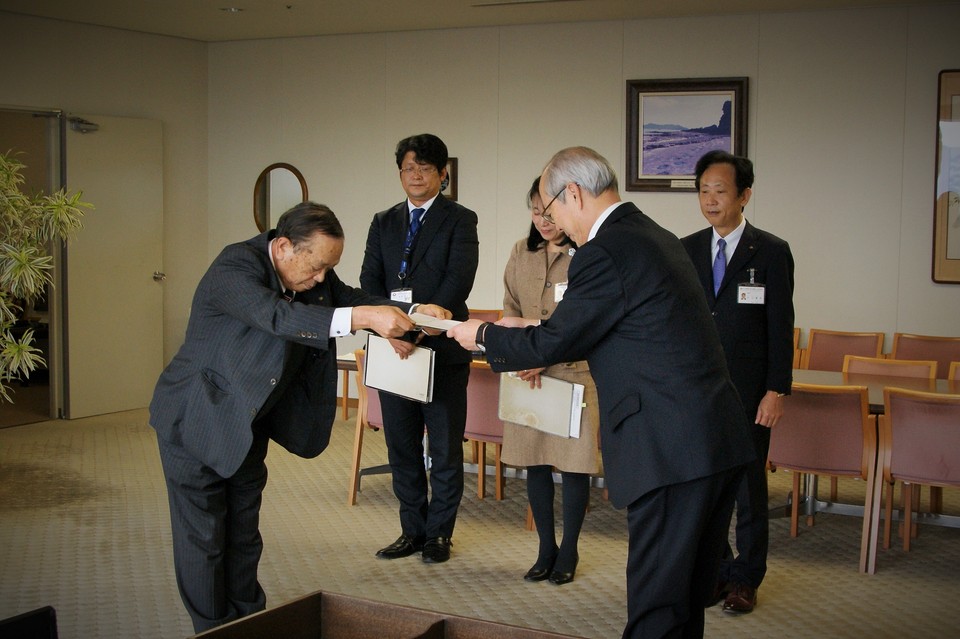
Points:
(159, 276)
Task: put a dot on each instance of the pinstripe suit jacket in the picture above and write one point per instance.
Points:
(240, 331)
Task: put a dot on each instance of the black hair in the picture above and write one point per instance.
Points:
(305, 220)
(742, 167)
(534, 239)
(426, 148)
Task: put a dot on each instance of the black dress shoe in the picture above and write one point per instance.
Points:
(436, 550)
(404, 546)
(540, 570)
(559, 578)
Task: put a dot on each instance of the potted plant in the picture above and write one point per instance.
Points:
(28, 225)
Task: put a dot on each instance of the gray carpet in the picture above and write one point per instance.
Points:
(84, 528)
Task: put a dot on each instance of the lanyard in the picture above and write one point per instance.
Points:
(416, 219)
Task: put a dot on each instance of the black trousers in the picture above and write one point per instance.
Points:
(403, 426)
(753, 533)
(676, 539)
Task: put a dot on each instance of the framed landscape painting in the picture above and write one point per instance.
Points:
(672, 123)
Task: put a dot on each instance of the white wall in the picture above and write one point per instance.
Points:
(841, 128)
(81, 69)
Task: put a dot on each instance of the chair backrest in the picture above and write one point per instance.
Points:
(824, 430)
(920, 437)
(954, 374)
(825, 349)
(368, 406)
(486, 315)
(926, 369)
(942, 349)
(483, 398)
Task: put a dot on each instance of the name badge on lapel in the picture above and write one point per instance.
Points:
(402, 295)
(751, 292)
(558, 290)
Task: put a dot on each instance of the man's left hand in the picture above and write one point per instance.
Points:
(770, 409)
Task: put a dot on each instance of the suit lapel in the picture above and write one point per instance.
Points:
(746, 249)
(432, 222)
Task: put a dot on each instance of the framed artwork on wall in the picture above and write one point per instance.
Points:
(449, 186)
(671, 123)
(946, 216)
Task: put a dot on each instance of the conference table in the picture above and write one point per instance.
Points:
(875, 385)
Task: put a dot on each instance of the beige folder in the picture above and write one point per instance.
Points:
(553, 408)
(384, 370)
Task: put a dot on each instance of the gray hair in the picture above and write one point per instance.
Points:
(582, 165)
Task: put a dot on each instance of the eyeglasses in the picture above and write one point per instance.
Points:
(419, 169)
(546, 216)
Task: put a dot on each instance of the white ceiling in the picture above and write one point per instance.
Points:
(205, 20)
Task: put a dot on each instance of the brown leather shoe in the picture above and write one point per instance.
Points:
(741, 599)
(720, 592)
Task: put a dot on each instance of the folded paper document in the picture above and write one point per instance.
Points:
(411, 377)
(428, 321)
(553, 408)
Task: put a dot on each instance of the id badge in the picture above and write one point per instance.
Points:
(750, 294)
(402, 295)
(558, 290)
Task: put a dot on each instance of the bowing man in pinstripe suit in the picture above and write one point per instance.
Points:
(258, 363)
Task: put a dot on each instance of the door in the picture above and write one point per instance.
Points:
(113, 301)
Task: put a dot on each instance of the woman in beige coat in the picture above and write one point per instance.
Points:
(534, 281)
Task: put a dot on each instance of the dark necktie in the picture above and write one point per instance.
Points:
(719, 265)
(416, 217)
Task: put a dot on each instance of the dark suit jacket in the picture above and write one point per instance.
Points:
(442, 267)
(757, 339)
(239, 333)
(634, 309)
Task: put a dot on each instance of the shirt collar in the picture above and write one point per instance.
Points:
(600, 220)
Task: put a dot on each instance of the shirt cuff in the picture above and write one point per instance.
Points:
(341, 322)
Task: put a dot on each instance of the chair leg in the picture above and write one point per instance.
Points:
(834, 483)
(481, 469)
(888, 521)
(530, 524)
(475, 445)
(795, 506)
(936, 500)
(355, 468)
(907, 491)
(498, 468)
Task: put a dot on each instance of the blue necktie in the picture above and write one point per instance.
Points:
(416, 217)
(719, 265)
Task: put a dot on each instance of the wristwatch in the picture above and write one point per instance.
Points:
(481, 332)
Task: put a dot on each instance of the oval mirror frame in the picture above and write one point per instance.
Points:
(261, 193)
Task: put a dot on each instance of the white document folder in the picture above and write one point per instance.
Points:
(384, 370)
(553, 408)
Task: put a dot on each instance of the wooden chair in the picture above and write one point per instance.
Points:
(369, 416)
(486, 315)
(925, 347)
(926, 369)
(919, 444)
(954, 374)
(483, 425)
(826, 430)
(825, 349)
(797, 351)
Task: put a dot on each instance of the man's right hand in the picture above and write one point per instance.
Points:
(386, 321)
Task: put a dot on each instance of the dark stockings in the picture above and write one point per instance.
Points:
(576, 496)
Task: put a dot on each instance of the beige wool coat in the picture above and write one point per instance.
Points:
(530, 281)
